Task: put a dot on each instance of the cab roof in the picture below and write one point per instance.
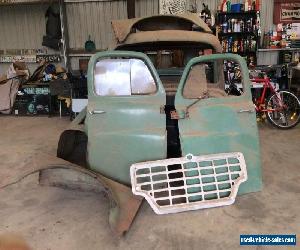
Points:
(122, 28)
(183, 28)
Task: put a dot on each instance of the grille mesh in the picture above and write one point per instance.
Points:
(189, 183)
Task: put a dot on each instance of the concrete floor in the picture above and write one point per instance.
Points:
(55, 218)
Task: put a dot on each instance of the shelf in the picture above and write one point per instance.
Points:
(278, 49)
(251, 12)
(19, 2)
(238, 34)
(82, 52)
(35, 84)
(34, 58)
(82, 55)
(242, 53)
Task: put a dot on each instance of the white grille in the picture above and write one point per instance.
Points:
(189, 183)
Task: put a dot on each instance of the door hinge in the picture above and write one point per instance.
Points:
(162, 109)
(179, 115)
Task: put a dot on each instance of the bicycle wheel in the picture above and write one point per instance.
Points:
(285, 112)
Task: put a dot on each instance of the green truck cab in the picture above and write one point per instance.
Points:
(157, 96)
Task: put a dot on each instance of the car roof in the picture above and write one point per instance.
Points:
(184, 28)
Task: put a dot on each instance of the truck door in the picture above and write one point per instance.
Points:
(124, 115)
(210, 121)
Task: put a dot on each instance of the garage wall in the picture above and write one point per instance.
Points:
(146, 8)
(94, 18)
(267, 9)
(22, 26)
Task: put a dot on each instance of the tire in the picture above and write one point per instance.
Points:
(292, 109)
(72, 147)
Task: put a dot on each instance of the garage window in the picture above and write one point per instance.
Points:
(123, 77)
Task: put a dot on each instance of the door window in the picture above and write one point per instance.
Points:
(217, 78)
(123, 77)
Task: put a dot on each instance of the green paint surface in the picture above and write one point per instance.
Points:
(131, 130)
(215, 125)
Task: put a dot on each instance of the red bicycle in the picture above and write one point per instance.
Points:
(282, 108)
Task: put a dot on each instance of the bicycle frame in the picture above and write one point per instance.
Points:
(260, 103)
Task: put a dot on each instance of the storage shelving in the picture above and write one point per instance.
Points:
(239, 32)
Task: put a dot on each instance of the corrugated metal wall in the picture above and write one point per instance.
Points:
(94, 18)
(267, 9)
(146, 8)
(22, 26)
